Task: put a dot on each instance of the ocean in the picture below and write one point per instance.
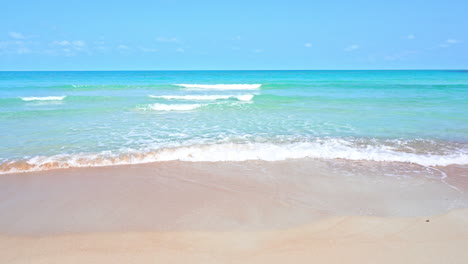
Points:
(66, 119)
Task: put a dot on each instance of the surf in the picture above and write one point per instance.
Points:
(245, 97)
(172, 107)
(330, 149)
(220, 86)
(45, 98)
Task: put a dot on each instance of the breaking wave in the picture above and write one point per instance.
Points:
(221, 86)
(320, 149)
(245, 97)
(172, 107)
(45, 98)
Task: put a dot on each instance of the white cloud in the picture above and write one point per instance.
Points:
(411, 36)
(71, 43)
(100, 46)
(79, 43)
(449, 42)
(257, 51)
(17, 35)
(23, 50)
(236, 38)
(69, 47)
(235, 48)
(180, 50)
(308, 45)
(61, 43)
(352, 47)
(452, 41)
(167, 40)
(18, 46)
(123, 47)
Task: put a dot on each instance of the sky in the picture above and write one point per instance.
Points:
(233, 35)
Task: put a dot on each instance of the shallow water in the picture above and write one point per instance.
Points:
(69, 119)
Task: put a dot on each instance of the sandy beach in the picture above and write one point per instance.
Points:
(236, 212)
(443, 239)
(212, 132)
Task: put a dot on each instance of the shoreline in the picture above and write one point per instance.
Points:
(232, 152)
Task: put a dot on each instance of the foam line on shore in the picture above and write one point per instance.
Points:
(329, 149)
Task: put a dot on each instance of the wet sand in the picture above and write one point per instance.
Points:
(443, 239)
(243, 212)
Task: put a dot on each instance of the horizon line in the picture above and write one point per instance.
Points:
(466, 69)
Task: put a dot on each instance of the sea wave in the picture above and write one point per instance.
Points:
(221, 86)
(45, 98)
(172, 107)
(244, 97)
(320, 149)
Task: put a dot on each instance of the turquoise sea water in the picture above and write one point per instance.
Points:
(66, 119)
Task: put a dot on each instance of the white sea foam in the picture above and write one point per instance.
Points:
(244, 97)
(45, 98)
(221, 86)
(330, 149)
(322, 149)
(173, 107)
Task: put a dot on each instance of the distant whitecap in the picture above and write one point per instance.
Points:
(245, 97)
(173, 107)
(45, 98)
(221, 86)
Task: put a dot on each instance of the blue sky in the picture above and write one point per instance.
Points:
(197, 35)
